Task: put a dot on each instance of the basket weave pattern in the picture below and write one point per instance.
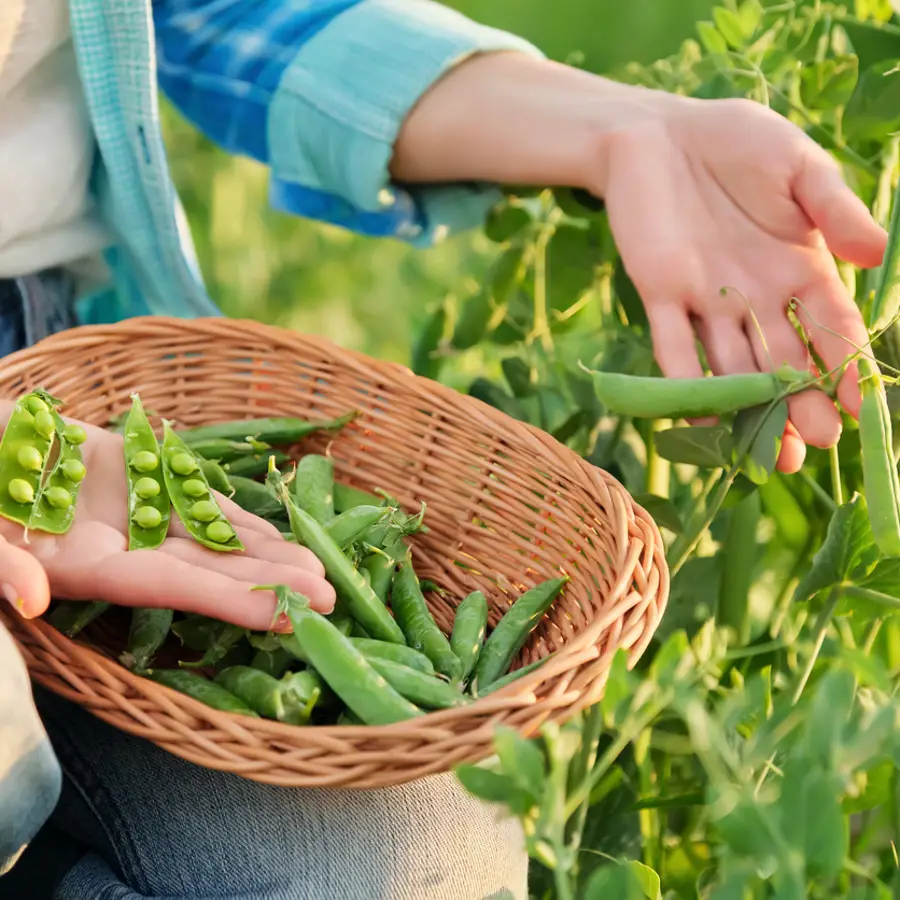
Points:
(507, 507)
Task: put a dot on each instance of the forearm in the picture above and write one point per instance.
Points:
(511, 119)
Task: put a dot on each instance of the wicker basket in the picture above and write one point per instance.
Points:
(507, 507)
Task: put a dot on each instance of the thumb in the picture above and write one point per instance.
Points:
(23, 580)
(844, 220)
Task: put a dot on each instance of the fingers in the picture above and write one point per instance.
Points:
(849, 230)
(299, 570)
(673, 341)
(23, 580)
(153, 578)
(793, 451)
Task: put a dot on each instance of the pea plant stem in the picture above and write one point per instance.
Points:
(820, 630)
(630, 729)
(837, 489)
(684, 545)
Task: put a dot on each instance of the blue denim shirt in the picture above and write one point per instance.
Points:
(316, 89)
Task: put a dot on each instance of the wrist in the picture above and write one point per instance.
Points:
(510, 119)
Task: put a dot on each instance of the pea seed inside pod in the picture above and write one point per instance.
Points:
(146, 488)
(58, 497)
(144, 461)
(147, 517)
(194, 488)
(21, 491)
(74, 470)
(220, 532)
(183, 464)
(204, 511)
(36, 405)
(44, 424)
(74, 434)
(30, 458)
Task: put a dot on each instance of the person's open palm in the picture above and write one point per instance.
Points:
(728, 194)
(92, 562)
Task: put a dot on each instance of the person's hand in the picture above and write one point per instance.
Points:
(728, 195)
(91, 561)
(702, 195)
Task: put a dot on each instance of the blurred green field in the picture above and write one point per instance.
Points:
(361, 293)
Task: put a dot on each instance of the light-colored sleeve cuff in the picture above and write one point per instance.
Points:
(337, 112)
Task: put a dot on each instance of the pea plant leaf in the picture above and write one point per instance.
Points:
(704, 446)
(884, 577)
(522, 760)
(757, 439)
(504, 222)
(848, 545)
(618, 880)
(573, 254)
(811, 816)
(518, 375)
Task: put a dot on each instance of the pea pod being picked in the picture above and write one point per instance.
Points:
(192, 498)
(685, 398)
(149, 505)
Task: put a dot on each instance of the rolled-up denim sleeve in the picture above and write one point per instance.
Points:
(30, 778)
(319, 92)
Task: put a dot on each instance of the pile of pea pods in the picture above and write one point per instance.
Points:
(379, 658)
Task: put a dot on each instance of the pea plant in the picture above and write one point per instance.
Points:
(752, 753)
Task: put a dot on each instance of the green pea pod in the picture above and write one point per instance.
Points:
(24, 452)
(271, 430)
(500, 683)
(350, 586)
(469, 627)
(253, 497)
(54, 508)
(398, 653)
(347, 497)
(686, 398)
(148, 632)
(261, 692)
(348, 527)
(223, 451)
(202, 689)
(314, 487)
(879, 470)
(426, 691)
(347, 672)
(302, 692)
(273, 662)
(217, 477)
(212, 638)
(198, 509)
(511, 632)
(251, 466)
(344, 624)
(73, 616)
(414, 617)
(149, 506)
(379, 567)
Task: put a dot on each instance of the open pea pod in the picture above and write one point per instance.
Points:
(149, 506)
(54, 509)
(191, 496)
(24, 453)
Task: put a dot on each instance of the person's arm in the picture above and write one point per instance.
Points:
(319, 92)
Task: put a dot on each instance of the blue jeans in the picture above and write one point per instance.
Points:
(117, 818)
